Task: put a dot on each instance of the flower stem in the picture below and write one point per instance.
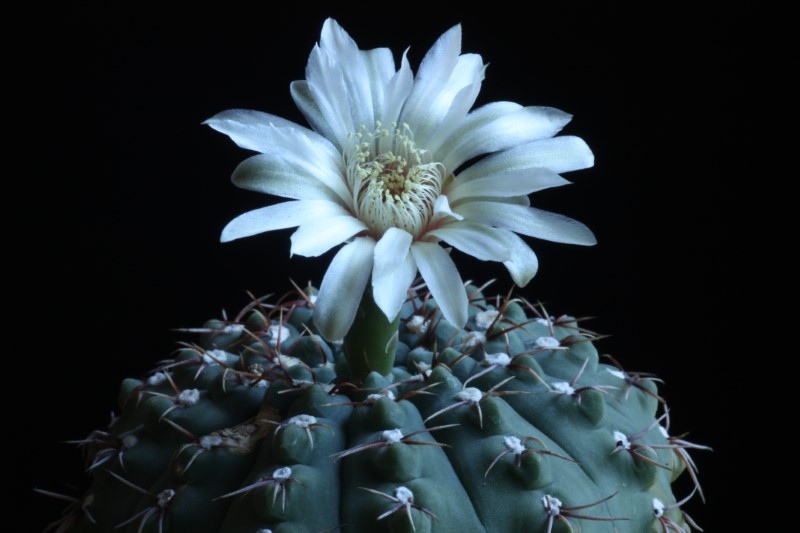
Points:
(371, 343)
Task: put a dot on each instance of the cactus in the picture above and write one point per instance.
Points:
(370, 405)
(513, 423)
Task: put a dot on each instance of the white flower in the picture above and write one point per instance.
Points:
(383, 171)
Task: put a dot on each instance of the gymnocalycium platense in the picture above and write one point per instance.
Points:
(385, 401)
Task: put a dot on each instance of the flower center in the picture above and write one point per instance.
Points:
(394, 183)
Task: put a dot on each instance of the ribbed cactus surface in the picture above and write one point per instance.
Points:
(511, 424)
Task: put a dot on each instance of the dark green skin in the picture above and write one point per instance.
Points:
(570, 437)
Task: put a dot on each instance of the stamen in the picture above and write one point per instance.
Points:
(394, 183)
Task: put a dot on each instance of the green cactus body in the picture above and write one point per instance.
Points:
(512, 424)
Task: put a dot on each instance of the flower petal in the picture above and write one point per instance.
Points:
(397, 92)
(559, 154)
(474, 120)
(523, 264)
(442, 211)
(342, 287)
(304, 99)
(251, 129)
(507, 131)
(380, 68)
(478, 240)
(324, 97)
(316, 237)
(393, 271)
(512, 183)
(287, 176)
(443, 280)
(511, 200)
(492, 244)
(442, 74)
(454, 100)
(434, 71)
(344, 56)
(279, 216)
(528, 221)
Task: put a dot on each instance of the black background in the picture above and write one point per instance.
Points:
(136, 192)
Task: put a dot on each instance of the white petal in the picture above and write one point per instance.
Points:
(345, 56)
(291, 178)
(289, 141)
(320, 235)
(512, 183)
(380, 65)
(528, 221)
(305, 101)
(507, 131)
(397, 92)
(444, 141)
(342, 288)
(251, 129)
(279, 216)
(434, 71)
(442, 211)
(326, 91)
(477, 240)
(453, 101)
(523, 264)
(442, 74)
(443, 280)
(393, 271)
(380, 68)
(506, 246)
(511, 200)
(559, 154)
(390, 250)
